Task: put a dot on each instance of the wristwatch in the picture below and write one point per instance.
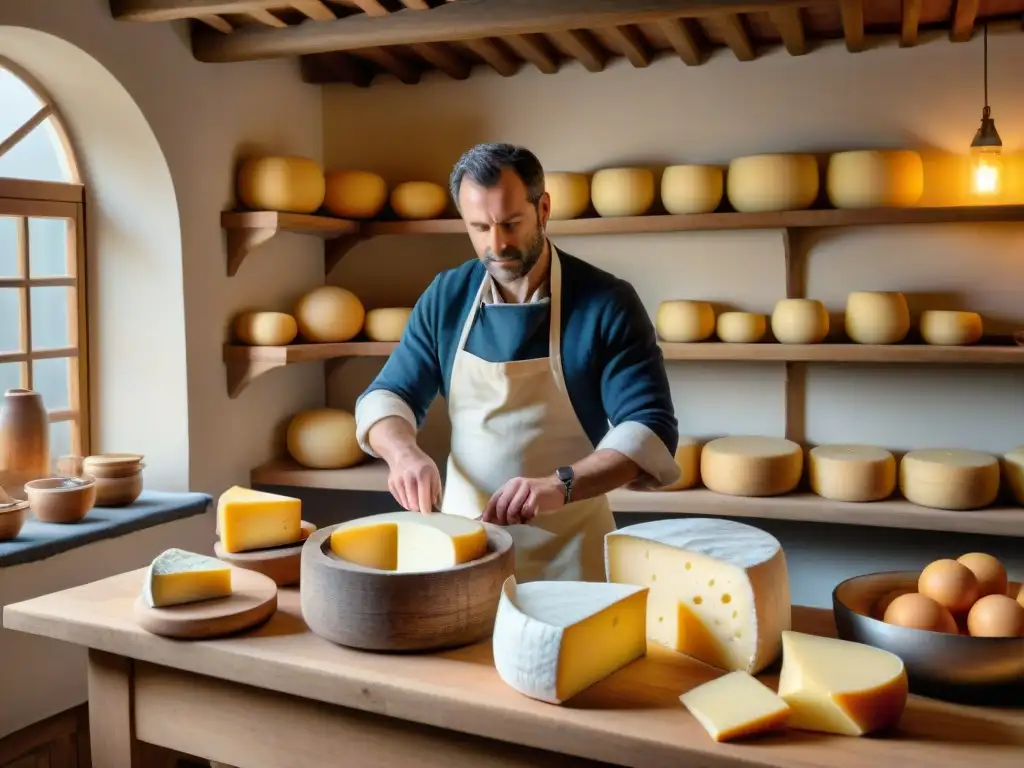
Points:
(566, 475)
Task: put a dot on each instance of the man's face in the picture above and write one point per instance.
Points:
(507, 231)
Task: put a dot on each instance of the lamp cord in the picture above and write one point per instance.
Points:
(985, 38)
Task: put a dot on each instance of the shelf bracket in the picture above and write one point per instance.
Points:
(336, 249)
(241, 373)
(242, 241)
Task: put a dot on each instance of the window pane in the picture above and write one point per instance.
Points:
(48, 247)
(50, 317)
(9, 266)
(60, 440)
(10, 320)
(10, 376)
(39, 156)
(20, 103)
(50, 378)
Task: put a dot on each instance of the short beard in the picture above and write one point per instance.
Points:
(527, 258)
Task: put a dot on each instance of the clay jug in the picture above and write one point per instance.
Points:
(24, 440)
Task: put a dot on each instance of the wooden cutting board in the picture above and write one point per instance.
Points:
(282, 564)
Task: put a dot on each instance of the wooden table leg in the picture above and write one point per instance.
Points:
(111, 721)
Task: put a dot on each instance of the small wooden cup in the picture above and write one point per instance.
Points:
(12, 519)
(61, 499)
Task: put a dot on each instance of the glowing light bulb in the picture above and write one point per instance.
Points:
(986, 170)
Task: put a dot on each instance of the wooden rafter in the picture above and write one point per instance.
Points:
(267, 19)
(583, 47)
(536, 50)
(444, 58)
(492, 52)
(963, 20)
(217, 22)
(853, 24)
(314, 9)
(685, 39)
(735, 34)
(791, 29)
(910, 22)
(631, 43)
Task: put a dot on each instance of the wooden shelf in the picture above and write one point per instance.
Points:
(801, 507)
(247, 230)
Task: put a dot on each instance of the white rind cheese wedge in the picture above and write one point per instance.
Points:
(841, 687)
(176, 577)
(719, 590)
(735, 706)
(554, 639)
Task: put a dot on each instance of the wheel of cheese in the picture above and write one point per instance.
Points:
(684, 321)
(851, 472)
(741, 327)
(950, 328)
(877, 317)
(329, 313)
(324, 438)
(265, 329)
(386, 323)
(800, 321)
(291, 184)
(692, 188)
(772, 182)
(875, 178)
(622, 191)
(355, 194)
(1013, 474)
(949, 478)
(687, 458)
(569, 193)
(419, 200)
(751, 465)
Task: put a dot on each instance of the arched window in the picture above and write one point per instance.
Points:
(42, 261)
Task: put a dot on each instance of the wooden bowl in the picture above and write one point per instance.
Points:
(61, 499)
(282, 564)
(387, 611)
(12, 518)
(119, 490)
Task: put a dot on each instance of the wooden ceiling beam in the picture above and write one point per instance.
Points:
(584, 48)
(416, 5)
(330, 68)
(494, 55)
(371, 7)
(314, 9)
(444, 58)
(267, 19)
(217, 22)
(536, 50)
(964, 16)
(631, 44)
(735, 35)
(852, 12)
(391, 62)
(910, 23)
(791, 29)
(685, 40)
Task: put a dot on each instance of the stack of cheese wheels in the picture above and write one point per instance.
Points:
(751, 465)
(877, 317)
(419, 200)
(800, 321)
(851, 472)
(692, 188)
(569, 193)
(324, 438)
(386, 323)
(281, 183)
(1013, 472)
(772, 182)
(329, 313)
(741, 327)
(622, 191)
(687, 458)
(875, 178)
(684, 321)
(265, 329)
(953, 478)
(354, 194)
(950, 328)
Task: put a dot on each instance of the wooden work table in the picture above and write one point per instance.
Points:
(281, 697)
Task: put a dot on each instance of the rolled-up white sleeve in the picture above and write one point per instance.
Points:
(374, 406)
(639, 443)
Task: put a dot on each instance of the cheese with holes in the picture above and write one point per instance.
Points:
(841, 687)
(800, 321)
(851, 472)
(954, 478)
(554, 639)
(682, 320)
(751, 465)
(692, 188)
(248, 519)
(386, 323)
(569, 193)
(1013, 472)
(352, 194)
(741, 327)
(950, 328)
(687, 458)
(622, 191)
(419, 200)
(772, 182)
(735, 706)
(874, 178)
(176, 577)
(410, 541)
(265, 329)
(324, 438)
(281, 183)
(719, 590)
(877, 317)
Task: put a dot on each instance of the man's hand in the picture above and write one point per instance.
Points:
(414, 480)
(523, 498)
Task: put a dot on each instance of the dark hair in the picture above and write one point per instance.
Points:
(484, 164)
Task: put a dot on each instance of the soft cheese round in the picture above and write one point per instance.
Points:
(687, 458)
(1013, 474)
(851, 472)
(569, 193)
(683, 321)
(950, 328)
(875, 178)
(877, 317)
(692, 188)
(777, 182)
(741, 327)
(953, 478)
(751, 465)
(622, 191)
(800, 321)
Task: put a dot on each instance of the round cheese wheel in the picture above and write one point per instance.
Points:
(355, 194)
(877, 317)
(683, 321)
(569, 193)
(751, 465)
(772, 182)
(1013, 473)
(692, 188)
(386, 323)
(851, 472)
(688, 460)
(265, 329)
(800, 321)
(875, 178)
(949, 478)
(324, 438)
(622, 191)
(419, 200)
(950, 328)
(329, 313)
(741, 327)
(291, 184)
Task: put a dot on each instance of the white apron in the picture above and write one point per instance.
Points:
(515, 419)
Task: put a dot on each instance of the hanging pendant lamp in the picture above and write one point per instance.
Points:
(987, 148)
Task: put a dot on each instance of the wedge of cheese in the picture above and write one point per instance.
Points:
(410, 541)
(554, 639)
(735, 706)
(176, 577)
(719, 590)
(841, 687)
(248, 519)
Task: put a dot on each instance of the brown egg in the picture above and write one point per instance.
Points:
(996, 616)
(879, 609)
(951, 584)
(989, 572)
(917, 611)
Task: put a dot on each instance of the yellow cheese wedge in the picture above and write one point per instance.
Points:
(409, 541)
(836, 686)
(734, 706)
(177, 576)
(248, 519)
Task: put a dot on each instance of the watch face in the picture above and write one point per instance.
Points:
(564, 474)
